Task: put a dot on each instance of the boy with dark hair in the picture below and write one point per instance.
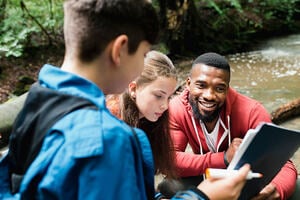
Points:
(88, 153)
(85, 152)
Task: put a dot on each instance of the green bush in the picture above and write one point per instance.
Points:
(29, 23)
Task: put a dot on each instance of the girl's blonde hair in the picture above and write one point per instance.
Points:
(156, 65)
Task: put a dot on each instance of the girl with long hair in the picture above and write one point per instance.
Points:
(145, 105)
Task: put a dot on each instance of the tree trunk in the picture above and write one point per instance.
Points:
(181, 26)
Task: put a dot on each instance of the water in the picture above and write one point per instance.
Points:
(271, 74)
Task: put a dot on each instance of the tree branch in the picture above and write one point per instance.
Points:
(24, 8)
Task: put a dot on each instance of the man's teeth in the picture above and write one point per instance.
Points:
(208, 105)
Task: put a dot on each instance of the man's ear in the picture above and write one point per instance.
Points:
(118, 47)
(188, 81)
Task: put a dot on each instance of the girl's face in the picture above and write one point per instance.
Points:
(152, 99)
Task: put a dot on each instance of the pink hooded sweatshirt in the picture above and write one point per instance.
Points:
(239, 114)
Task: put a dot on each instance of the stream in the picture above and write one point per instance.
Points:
(271, 74)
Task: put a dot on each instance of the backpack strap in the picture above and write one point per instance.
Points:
(42, 109)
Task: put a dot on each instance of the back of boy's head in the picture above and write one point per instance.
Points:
(91, 24)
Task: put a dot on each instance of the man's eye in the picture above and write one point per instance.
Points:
(220, 89)
(200, 85)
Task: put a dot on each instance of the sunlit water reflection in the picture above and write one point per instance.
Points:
(271, 74)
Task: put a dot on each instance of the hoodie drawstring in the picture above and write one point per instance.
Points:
(220, 141)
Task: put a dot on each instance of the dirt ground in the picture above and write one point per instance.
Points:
(12, 70)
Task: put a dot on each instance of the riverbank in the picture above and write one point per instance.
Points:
(17, 74)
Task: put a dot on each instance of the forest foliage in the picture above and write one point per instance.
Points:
(29, 23)
(189, 26)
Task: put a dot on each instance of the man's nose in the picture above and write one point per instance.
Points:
(208, 94)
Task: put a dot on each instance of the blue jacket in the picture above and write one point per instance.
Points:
(88, 154)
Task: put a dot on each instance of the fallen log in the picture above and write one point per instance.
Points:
(9, 111)
(286, 112)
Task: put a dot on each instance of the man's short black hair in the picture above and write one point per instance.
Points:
(214, 60)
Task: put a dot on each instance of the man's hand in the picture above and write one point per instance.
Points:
(269, 192)
(232, 148)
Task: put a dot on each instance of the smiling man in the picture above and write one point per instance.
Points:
(213, 118)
